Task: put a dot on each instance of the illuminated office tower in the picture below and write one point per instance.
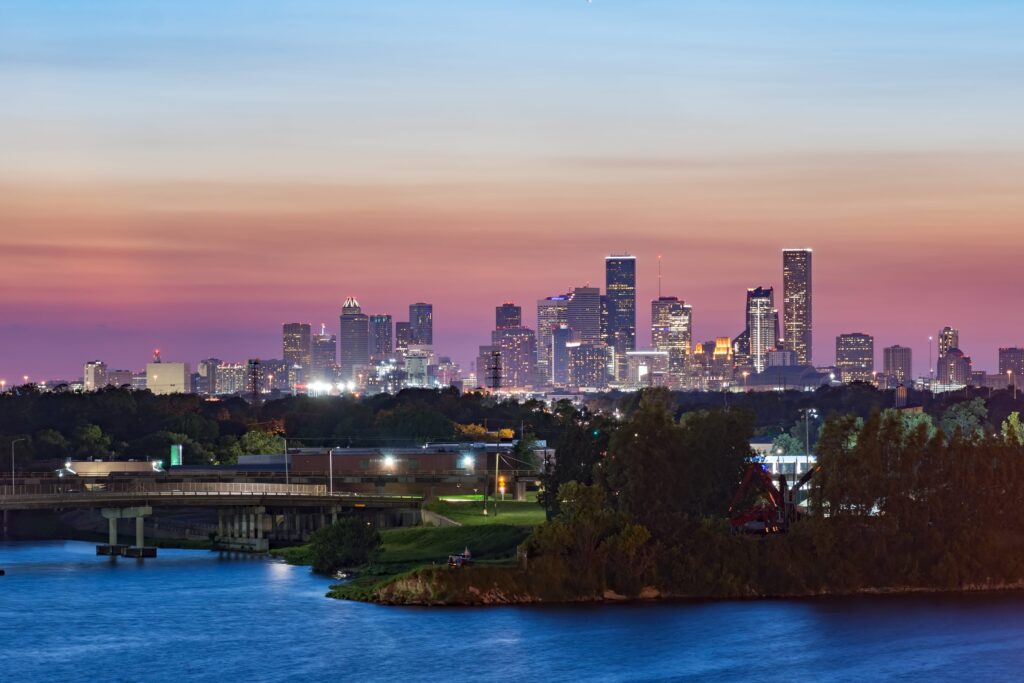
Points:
(518, 349)
(421, 324)
(762, 325)
(583, 314)
(855, 357)
(297, 345)
(324, 354)
(488, 367)
(95, 375)
(403, 337)
(168, 377)
(949, 338)
(672, 332)
(620, 291)
(797, 302)
(380, 340)
(587, 364)
(552, 313)
(896, 364)
(353, 338)
(508, 315)
(954, 368)
(561, 337)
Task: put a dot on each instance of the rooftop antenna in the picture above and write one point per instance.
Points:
(659, 276)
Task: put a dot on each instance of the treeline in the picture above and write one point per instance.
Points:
(897, 502)
(121, 423)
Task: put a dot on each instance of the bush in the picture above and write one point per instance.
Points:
(349, 542)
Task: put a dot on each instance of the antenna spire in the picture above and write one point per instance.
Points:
(659, 276)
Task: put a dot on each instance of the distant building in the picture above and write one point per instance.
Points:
(897, 364)
(781, 358)
(297, 345)
(354, 342)
(380, 338)
(561, 337)
(324, 356)
(647, 368)
(421, 324)
(672, 332)
(954, 368)
(206, 377)
(168, 378)
(588, 365)
(403, 337)
(762, 325)
(620, 293)
(508, 315)
(583, 314)
(552, 313)
(855, 357)
(797, 303)
(949, 338)
(518, 349)
(94, 375)
(417, 363)
(1011, 363)
(121, 378)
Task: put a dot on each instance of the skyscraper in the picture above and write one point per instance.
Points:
(380, 338)
(324, 355)
(949, 338)
(354, 343)
(296, 343)
(672, 332)
(954, 368)
(561, 337)
(896, 364)
(403, 337)
(583, 314)
(797, 303)
(762, 325)
(421, 324)
(855, 357)
(508, 315)
(518, 348)
(588, 364)
(552, 313)
(620, 289)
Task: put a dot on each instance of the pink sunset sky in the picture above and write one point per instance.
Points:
(191, 177)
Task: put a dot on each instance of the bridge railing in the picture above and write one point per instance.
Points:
(128, 489)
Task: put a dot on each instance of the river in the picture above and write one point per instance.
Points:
(189, 615)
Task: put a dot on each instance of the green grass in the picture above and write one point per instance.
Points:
(470, 513)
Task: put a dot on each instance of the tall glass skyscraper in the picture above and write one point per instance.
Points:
(620, 288)
(584, 314)
(797, 321)
(353, 339)
(508, 315)
(380, 339)
(421, 324)
(672, 331)
(762, 325)
(552, 313)
(297, 345)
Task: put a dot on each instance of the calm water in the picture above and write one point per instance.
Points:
(67, 615)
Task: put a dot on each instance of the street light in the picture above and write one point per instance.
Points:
(12, 462)
(330, 467)
(808, 414)
(1009, 379)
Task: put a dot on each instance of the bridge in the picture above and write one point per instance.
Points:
(249, 514)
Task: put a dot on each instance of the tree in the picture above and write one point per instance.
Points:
(91, 442)
(969, 417)
(49, 443)
(787, 444)
(1012, 430)
(349, 542)
(259, 443)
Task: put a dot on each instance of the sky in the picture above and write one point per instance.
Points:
(189, 175)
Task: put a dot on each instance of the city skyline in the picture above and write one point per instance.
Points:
(198, 218)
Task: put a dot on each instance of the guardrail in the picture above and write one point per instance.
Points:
(198, 489)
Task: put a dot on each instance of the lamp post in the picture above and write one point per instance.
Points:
(745, 375)
(1009, 379)
(808, 414)
(12, 462)
(330, 468)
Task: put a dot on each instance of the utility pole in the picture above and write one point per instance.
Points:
(497, 456)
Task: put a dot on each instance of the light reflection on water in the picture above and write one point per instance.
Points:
(66, 614)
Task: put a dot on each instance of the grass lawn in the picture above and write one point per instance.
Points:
(470, 512)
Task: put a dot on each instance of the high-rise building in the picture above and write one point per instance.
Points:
(797, 303)
(620, 290)
(206, 373)
(518, 348)
(561, 337)
(508, 315)
(230, 378)
(297, 345)
(552, 313)
(588, 364)
(896, 364)
(583, 314)
(488, 367)
(119, 378)
(168, 377)
(949, 338)
(417, 364)
(403, 337)
(421, 324)
(954, 368)
(762, 325)
(672, 332)
(1011, 364)
(354, 339)
(94, 375)
(855, 357)
(324, 354)
(380, 340)
(646, 368)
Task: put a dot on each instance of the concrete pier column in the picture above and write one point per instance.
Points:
(112, 527)
(259, 525)
(139, 535)
(334, 515)
(323, 519)
(220, 523)
(252, 523)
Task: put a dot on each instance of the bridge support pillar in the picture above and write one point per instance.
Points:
(245, 527)
(220, 523)
(113, 548)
